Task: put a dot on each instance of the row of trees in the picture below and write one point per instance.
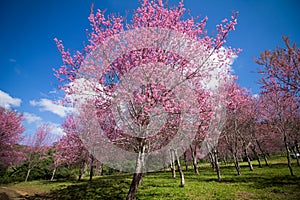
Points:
(118, 74)
(21, 154)
(17, 149)
(250, 132)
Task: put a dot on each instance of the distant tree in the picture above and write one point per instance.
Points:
(280, 83)
(264, 139)
(10, 135)
(89, 131)
(56, 160)
(237, 116)
(281, 113)
(37, 147)
(70, 149)
(281, 68)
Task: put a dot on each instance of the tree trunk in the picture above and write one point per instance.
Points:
(217, 166)
(297, 152)
(236, 164)
(249, 162)
(81, 170)
(91, 168)
(172, 163)
(225, 160)
(179, 169)
(296, 156)
(194, 158)
(298, 162)
(185, 161)
(98, 170)
(247, 156)
(263, 153)
(101, 170)
(266, 159)
(288, 155)
(234, 155)
(28, 173)
(53, 174)
(138, 175)
(80, 175)
(257, 156)
(212, 161)
(110, 171)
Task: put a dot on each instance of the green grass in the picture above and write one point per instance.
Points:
(272, 182)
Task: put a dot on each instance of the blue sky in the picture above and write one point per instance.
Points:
(28, 52)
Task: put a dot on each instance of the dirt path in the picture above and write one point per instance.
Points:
(10, 194)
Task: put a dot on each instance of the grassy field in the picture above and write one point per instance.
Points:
(272, 182)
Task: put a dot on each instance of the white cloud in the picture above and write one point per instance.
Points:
(56, 129)
(7, 101)
(48, 105)
(255, 96)
(31, 118)
(218, 67)
(12, 60)
(83, 90)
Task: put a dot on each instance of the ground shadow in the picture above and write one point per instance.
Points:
(110, 187)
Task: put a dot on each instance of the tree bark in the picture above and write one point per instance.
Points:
(217, 166)
(53, 174)
(101, 170)
(179, 169)
(27, 175)
(297, 151)
(247, 156)
(194, 158)
(288, 155)
(212, 161)
(185, 161)
(138, 175)
(257, 156)
(266, 160)
(91, 168)
(263, 153)
(172, 163)
(234, 155)
(81, 170)
(236, 164)
(225, 160)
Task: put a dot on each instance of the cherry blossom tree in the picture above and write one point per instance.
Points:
(10, 135)
(70, 149)
(237, 122)
(281, 113)
(263, 139)
(280, 66)
(245, 120)
(76, 148)
(142, 72)
(37, 146)
(89, 132)
(205, 118)
(280, 92)
(56, 161)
